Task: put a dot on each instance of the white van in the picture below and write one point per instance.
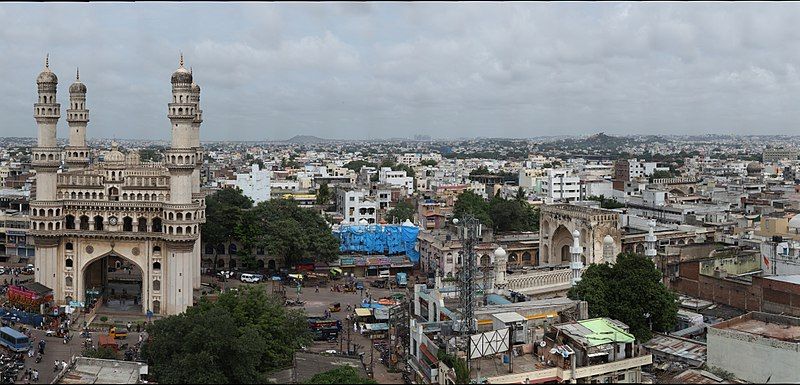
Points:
(384, 274)
(250, 278)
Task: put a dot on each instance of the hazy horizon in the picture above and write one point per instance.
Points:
(270, 71)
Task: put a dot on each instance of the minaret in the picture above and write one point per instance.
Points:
(576, 264)
(650, 238)
(181, 211)
(77, 153)
(46, 212)
(198, 119)
(608, 250)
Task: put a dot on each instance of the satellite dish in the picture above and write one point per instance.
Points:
(542, 344)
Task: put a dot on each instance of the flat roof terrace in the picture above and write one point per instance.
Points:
(766, 325)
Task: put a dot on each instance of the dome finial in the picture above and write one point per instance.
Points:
(181, 59)
(77, 73)
(47, 60)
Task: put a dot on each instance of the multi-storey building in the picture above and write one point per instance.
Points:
(94, 214)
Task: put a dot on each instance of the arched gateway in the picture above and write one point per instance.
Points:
(115, 226)
(559, 221)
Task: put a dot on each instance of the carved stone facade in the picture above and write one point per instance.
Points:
(559, 221)
(147, 213)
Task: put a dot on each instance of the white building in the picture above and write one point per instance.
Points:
(255, 185)
(409, 159)
(396, 178)
(356, 206)
(561, 185)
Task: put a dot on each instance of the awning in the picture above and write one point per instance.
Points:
(362, 312)
(377, 327)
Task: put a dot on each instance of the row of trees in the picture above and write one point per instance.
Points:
(279, 227)
(498, 213)
(239, 338)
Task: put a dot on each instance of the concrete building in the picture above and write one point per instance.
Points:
(396, 178)
(774, 155)
(561, 185)
(255, 184)
(756, 347)
(147, 215)
(356, 205)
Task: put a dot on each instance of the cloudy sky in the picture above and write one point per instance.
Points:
(361, 70)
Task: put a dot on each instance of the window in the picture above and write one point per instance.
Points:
(98, 223)
(232, 249)
(84, 222)
(68, 246)
(127, 224)
(70, 222)
(156, 265)
(142, 227)
(157, 225)
(156, 286)
(156, 249)
(69, 262)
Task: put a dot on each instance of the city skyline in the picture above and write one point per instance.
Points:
(370, 71)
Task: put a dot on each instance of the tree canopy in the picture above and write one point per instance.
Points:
(224, 211)
(356, 165)
(606, 203)
(287, 230)
(402, 211)
(628, 291)
(239, 338)
(341, 375)
(428, 162)
(323, 194)
(500, 214)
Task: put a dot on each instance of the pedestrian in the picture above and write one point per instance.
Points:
(35, 375)
(316, 290)
(129, 326)
(30, 352)
(138, 327)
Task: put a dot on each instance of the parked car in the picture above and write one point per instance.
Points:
(359, 285)
(380, 283)
(251, 278)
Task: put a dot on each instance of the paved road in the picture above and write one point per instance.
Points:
(57, 350)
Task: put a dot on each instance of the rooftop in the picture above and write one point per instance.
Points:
(688, 350)
(597, 331)
(764, 325)
(100, 371)
(794, 278)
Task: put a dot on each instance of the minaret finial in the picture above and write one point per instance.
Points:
(77, 73)
(181, 59)
(47, 60)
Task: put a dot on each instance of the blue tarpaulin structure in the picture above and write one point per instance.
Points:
(380, 239)
(22, 317)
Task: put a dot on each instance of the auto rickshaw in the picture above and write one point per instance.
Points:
(335, 307)
(116, 333)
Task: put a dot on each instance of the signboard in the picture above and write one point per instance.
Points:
(488, 343)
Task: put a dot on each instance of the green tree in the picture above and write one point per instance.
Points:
(101, 352)
(629, 290)
(606, 203)
(660, 174)
(284, 229)
(521, 196)
(458, 364)
(481, 170)
(341, 375)
(429, 162)
(470, 203)
(323, 194)
(224, 212)
(151, 154)
(356, 165)
(402, 211)
(239, 338)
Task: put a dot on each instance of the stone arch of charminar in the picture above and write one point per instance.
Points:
(559, 221)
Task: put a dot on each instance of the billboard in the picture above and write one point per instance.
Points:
(488, 343)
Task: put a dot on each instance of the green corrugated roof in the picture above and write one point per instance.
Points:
(604, 331)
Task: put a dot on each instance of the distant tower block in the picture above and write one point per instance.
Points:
(576, 264)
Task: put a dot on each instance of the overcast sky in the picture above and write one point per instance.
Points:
(361, 70)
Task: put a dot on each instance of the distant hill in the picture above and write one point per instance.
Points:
(303, 139)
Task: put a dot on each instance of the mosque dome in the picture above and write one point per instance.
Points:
(608, 240)
(46, 76)
(132, 158)
(754, 168)
(794, 223)
(77, 87)
(195, 87)
(114, 155)
(182, 75)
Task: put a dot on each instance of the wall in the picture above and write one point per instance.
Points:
(752, 358)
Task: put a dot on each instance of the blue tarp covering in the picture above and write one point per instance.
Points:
(380, 239)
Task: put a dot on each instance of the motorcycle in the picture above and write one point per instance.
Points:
(38, 358)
